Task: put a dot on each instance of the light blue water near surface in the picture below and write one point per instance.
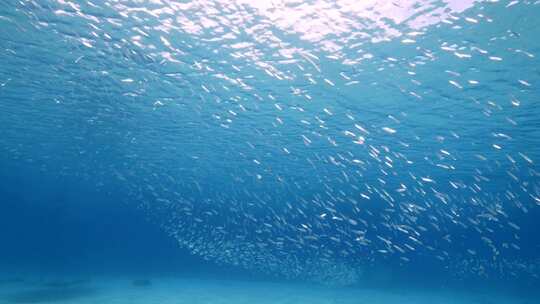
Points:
(353, 145)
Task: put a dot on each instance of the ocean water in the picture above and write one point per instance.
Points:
(280, 151)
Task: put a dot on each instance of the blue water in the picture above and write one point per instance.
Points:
(327, 147)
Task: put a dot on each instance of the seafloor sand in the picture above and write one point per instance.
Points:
(193, 291)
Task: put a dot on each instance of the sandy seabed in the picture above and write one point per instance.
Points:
(165, 290)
